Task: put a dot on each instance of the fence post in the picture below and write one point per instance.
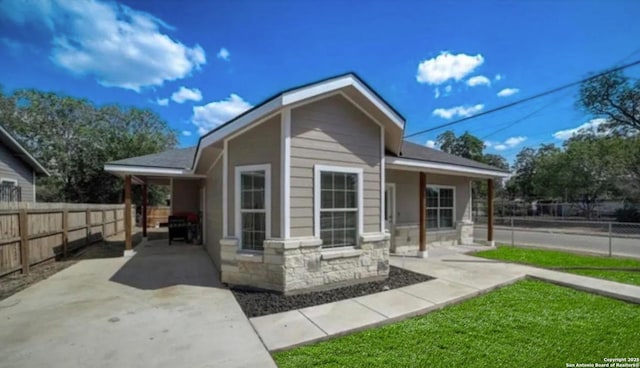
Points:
(115, 224)
(610, 240)
(104, 226)
(65, 232)
(87, 221)
(512, 233)
(24, 240)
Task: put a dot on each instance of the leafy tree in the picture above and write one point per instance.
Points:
(615, 97)
(74, 139)
(466, 145)
(587, 169)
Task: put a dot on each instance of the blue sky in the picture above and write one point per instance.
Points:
(199, 63)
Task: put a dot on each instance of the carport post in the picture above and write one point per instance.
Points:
(127, 213)
(144, 210)
(422, 228)
(490, 213)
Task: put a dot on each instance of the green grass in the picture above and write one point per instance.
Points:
(528, 324)
(553, 258)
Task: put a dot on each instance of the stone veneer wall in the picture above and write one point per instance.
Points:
(406, 237)
(301, 264)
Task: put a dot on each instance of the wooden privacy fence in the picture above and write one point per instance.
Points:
(31, 233)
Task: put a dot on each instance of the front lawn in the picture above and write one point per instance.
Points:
(528, 324)
(560, 260)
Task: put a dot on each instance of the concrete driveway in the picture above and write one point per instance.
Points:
(163, 307)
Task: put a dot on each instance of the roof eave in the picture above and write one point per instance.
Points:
(24, 154)
(444, 168)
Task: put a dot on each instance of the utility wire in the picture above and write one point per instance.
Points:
(518, 102)
(519, 120)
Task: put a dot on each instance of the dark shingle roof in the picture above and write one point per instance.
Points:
(418, 152)
(178, 158)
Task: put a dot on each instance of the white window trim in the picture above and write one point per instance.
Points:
(267, 200)
(11, 180)
(317, 169)
(438, 186)
(393, 202)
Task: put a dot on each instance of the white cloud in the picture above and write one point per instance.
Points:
(186, 133)
(215, 113)
(430, 143)
(498, 77)
(510, 142)
(436, 93)
(223, 54)
(508, 92)
(447, 66)
(186, 94)
(478, 80)
(162, 101)
(448, 88)
(589, 125)
(488, 144)
(119, 46)
(458, 111)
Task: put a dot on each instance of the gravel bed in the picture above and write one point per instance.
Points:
(257, 303)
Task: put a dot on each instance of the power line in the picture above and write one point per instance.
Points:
(519, 120)
(527, 99)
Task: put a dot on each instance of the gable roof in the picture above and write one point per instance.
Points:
(177, 158)
(10, 142)
(347, 83)
(415, 151)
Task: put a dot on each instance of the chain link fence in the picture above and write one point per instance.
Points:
(603, 237)
(600, 211)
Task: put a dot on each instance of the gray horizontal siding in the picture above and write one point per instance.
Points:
(407, 194)
(11, 167)
(332, 132)
(259, 145)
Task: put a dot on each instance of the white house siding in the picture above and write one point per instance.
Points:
(213, 225)
(334, 132)
(259, 145)
(11, 167)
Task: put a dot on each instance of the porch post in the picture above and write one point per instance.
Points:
(422, 228)
(127, 213)
(144, 209)
(490, 241)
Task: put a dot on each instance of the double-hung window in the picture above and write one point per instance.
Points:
(440, 207)
(338, 205)
(253, 205)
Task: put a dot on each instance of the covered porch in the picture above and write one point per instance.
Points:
(429, 208)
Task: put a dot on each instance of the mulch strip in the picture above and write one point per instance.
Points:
(256, 303)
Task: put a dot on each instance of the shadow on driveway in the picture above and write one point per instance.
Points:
(157, 265)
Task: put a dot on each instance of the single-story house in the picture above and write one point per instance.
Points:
(18, 170)
(314, 188)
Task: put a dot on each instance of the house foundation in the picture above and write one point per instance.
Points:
(302, 264)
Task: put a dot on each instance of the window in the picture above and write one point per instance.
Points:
(253, 205)
(8, 182)
(440, 207)
(338, 194)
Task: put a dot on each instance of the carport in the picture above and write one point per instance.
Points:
(168, 168)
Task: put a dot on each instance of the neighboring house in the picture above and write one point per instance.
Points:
(314, 188)
(18, 171)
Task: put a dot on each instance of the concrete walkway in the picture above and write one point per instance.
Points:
(160, 308)
(458, 277)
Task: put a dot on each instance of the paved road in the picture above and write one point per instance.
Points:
(554, 239)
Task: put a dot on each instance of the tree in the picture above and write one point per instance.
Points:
(585, 171)
(74, 139)
(466, 145)
(614, 97)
